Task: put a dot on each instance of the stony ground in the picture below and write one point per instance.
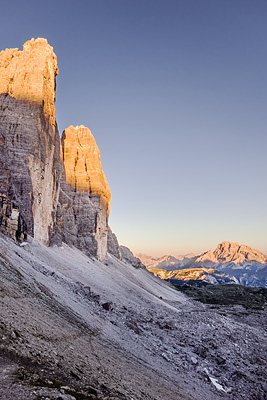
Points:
(73, 328)
(227, 294)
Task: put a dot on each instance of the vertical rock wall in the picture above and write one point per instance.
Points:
(85, 195)
(11, 220)
(51, 192)
(27, 119)
(113, 244)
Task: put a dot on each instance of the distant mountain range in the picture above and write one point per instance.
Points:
(228, 263)
(167, 262)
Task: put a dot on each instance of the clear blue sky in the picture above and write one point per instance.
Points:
(175, 93)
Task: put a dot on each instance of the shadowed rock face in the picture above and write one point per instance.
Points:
(11, 220)
(27, 119)
(113, 244)
(83, 221)
(127, 255)
(42, 194)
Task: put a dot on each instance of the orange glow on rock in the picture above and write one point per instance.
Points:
(82, 163)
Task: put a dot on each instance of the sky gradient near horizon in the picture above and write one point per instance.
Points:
(175, 94)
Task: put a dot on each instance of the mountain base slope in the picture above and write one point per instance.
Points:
(118, 331)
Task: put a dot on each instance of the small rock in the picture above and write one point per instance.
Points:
(194, 360)
(134, 327)
(66, 397)
(65, 387)
(87, 290)
(13, 335)
(108, 306)
(166, 355)
(95, 297)
(23, 244)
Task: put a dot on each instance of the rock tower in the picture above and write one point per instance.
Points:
(52, 189)
(30, 138)
(85, 194)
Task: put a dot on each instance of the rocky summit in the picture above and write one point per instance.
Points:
(82, 163)
(30, 75)
(52, 189)
(227, 252)
(247, 265)
(228, 263)
(84, 199)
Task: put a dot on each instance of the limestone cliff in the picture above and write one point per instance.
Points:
(82, 163)
(113, 244)
(85, 195)
(27, 121)
(30, 74)
(42, 194)
(11, 220)
(127, 255)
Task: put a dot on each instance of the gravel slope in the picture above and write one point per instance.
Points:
(61, 336)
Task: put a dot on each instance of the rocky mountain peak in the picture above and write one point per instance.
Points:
(166, 261)
(82, 163)
(230, 247)
(230, 263)
(232, 252)
(34, 43)
(227, 251)
(54, 190)
(30, 75)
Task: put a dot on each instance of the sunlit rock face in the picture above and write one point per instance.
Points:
(29, 133)
(227, 252)
(53, 190)
(247, 265)
(85, 195)
(207, 275)
(30, 74)
(82, 163)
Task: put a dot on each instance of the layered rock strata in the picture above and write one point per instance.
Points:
(11, 220)
(50, 192)
(27, 120)
(85, 194)
(82, 164)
